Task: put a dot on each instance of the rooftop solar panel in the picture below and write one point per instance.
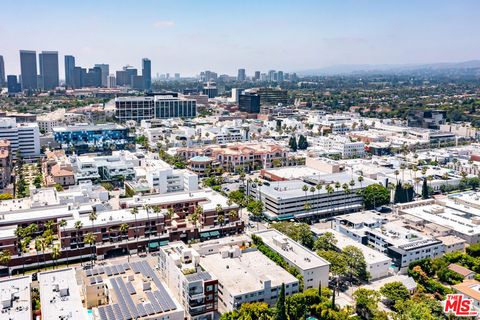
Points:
(108, 271)
(149, 308)
(117, 311)
(109, 311)
(120, 299)
(141, 310)
(102, 314)
(130, 288)
(88, 272)
(154, 302)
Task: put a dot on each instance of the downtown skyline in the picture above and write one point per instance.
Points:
(188, 37)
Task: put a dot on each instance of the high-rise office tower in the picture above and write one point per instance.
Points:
(93, 78)
(280, 76)
(257, 76)
(124, 77)
(112, 82)
(13, 85)
(147, 74)
(241, 75)
(69, 71)
(272, 75)
(28, 68)
(79, 74)
(105, 72)
(48, 61)
(2, 72)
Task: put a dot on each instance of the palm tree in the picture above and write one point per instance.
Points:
(169, 214)
(318, 187)
(90, 239)
(329, 189)
(55, 255)
(402, 167)
(92, 217)
(38, 248)
(396, 174)
(124, 231)
(147, 209)
(63, 225)
(78, 226)
(134, 211)
(221, 219)
(232, 214)
(346, 190)
(360, 180)
(5, 258)
(196, 215)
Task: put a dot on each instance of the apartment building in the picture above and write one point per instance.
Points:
(313, 268)
(195, 289)
(5, 163)
(24, 138)
(127, 288)
(402, 244)
(16, 298)
(231, 156)
(244, 274)
(378, 264)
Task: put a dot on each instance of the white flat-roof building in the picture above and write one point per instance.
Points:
(402, 244)
(16, 298)
(313, 268)
(245, 277)
(60, 295)
(24, 137)
(378, 264)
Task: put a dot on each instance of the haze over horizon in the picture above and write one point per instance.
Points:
(191, 36)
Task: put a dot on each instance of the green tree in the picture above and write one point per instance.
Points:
(90, 239)
(366, 303)
(394, 292)
(280, 309)
(375, 195)
(299, 232)
(292, 143)
(356, 265)
(5, 258)
(325, 242)
(425, 194)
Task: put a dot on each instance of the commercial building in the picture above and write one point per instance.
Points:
(69, 71)
(429, 119)
(134, 108)
(60, 295)
(272, 96)
(159, 106)
(249, 102)
(313, 268)
(111, 168)
(89, 138)
(48, 61)
(105, 71)
(124, 77)
(401, 243)
(147, 74)
(241, 75)
(286, 199)
(244, 274)
(3, 83)
(196, 289)
(457, 214)
(24, 138)
(13, 85)
(378, 264)
(16, 298)
(210, 89)
(121, 289)
(28, 67)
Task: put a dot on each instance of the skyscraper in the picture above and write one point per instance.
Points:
(257, 76)
(105, 72)
(69, 71)
(147, 73)
(2, 72)
(13, 85)
(48, 61)
(280, 76)
(241, 75)
(28, 68)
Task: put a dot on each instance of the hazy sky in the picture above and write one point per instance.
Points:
(191, 36)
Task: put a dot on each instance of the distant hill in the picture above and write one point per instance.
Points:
(390, 68)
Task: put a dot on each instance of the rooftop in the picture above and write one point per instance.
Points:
(291, 250)
(247, 272)
(60, 295)
(16, 298)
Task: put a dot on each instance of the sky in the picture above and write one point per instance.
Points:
(189, 36)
